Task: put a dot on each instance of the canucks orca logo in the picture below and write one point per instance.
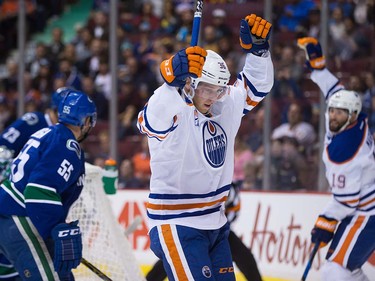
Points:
(74, 146)
(30, 118)
(206, 271)
(214, 143)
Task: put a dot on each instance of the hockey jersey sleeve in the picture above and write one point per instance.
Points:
(158, 117)
(327, 82)
(255, 80)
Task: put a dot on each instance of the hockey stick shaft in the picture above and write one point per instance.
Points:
(133, 226)
(96, 270)
(196, 23)
(309, 263)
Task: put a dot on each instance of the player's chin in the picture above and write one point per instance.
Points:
(334, 128)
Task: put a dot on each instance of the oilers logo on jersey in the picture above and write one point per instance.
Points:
(214, 143)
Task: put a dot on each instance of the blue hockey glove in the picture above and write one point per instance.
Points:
(254, 34)
(323, 230)
(68, 246)
(313, 51)
(187, 62)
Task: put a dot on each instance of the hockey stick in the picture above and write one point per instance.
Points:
(309, 263)
(133, 226)
(96, 270)
(196, 23)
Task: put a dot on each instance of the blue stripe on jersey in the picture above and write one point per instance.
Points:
(346, 194)
(346, 144)
(189, 196)
(255, 91)
(331, 92)
(367, 195)
(184, 215)
(147, 125)
(370, 208)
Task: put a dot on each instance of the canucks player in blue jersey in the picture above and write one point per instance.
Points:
(348, 220)
(46, 179)
(12, 139)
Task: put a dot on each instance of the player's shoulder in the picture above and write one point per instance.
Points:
(62, 141)
(345, 145)
(32, 118)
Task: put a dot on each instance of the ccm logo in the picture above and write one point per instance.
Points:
(167, 69)
(64, 233)
(226, 269)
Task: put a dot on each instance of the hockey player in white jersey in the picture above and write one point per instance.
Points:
(349, 219)
(46, 178)
(191, 121)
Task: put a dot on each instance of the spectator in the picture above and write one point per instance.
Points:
(43, 82)
(57, 45)
(242, 156)
(141, 161)
(168, 22)
(127, 179)
(103, 79)
(219, 18)
(82, 44)
(98, 25)
(69, 73)
(294, 13)
(96, 96)
(185, 14)
(128, 122)
(90, 66)
(209, 40)
(296, 128)
(41, 54)
(147, 17)
(288, 166)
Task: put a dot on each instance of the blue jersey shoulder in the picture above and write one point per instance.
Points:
(54, 159)
(16, 134)
(345, 145)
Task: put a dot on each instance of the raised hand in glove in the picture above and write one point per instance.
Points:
(68, 246)
(323, 230)
(313, 50)
(187, 62)
(254, 34)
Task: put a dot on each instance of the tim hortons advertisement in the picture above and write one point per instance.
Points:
(276, 226)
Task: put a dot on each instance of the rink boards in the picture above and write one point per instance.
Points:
(275, 225)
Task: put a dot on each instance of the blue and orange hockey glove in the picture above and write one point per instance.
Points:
(254, 34)
(186, 63)
(323, 230)
(314, 55)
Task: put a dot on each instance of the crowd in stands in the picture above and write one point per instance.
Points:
(150, 31)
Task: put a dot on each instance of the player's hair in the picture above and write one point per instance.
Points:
(348, 100)
(75, 107)
(215, 71)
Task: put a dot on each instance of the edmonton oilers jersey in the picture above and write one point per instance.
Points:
(192, 155)
(46, 178)
(349, 159)
(17, 133)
